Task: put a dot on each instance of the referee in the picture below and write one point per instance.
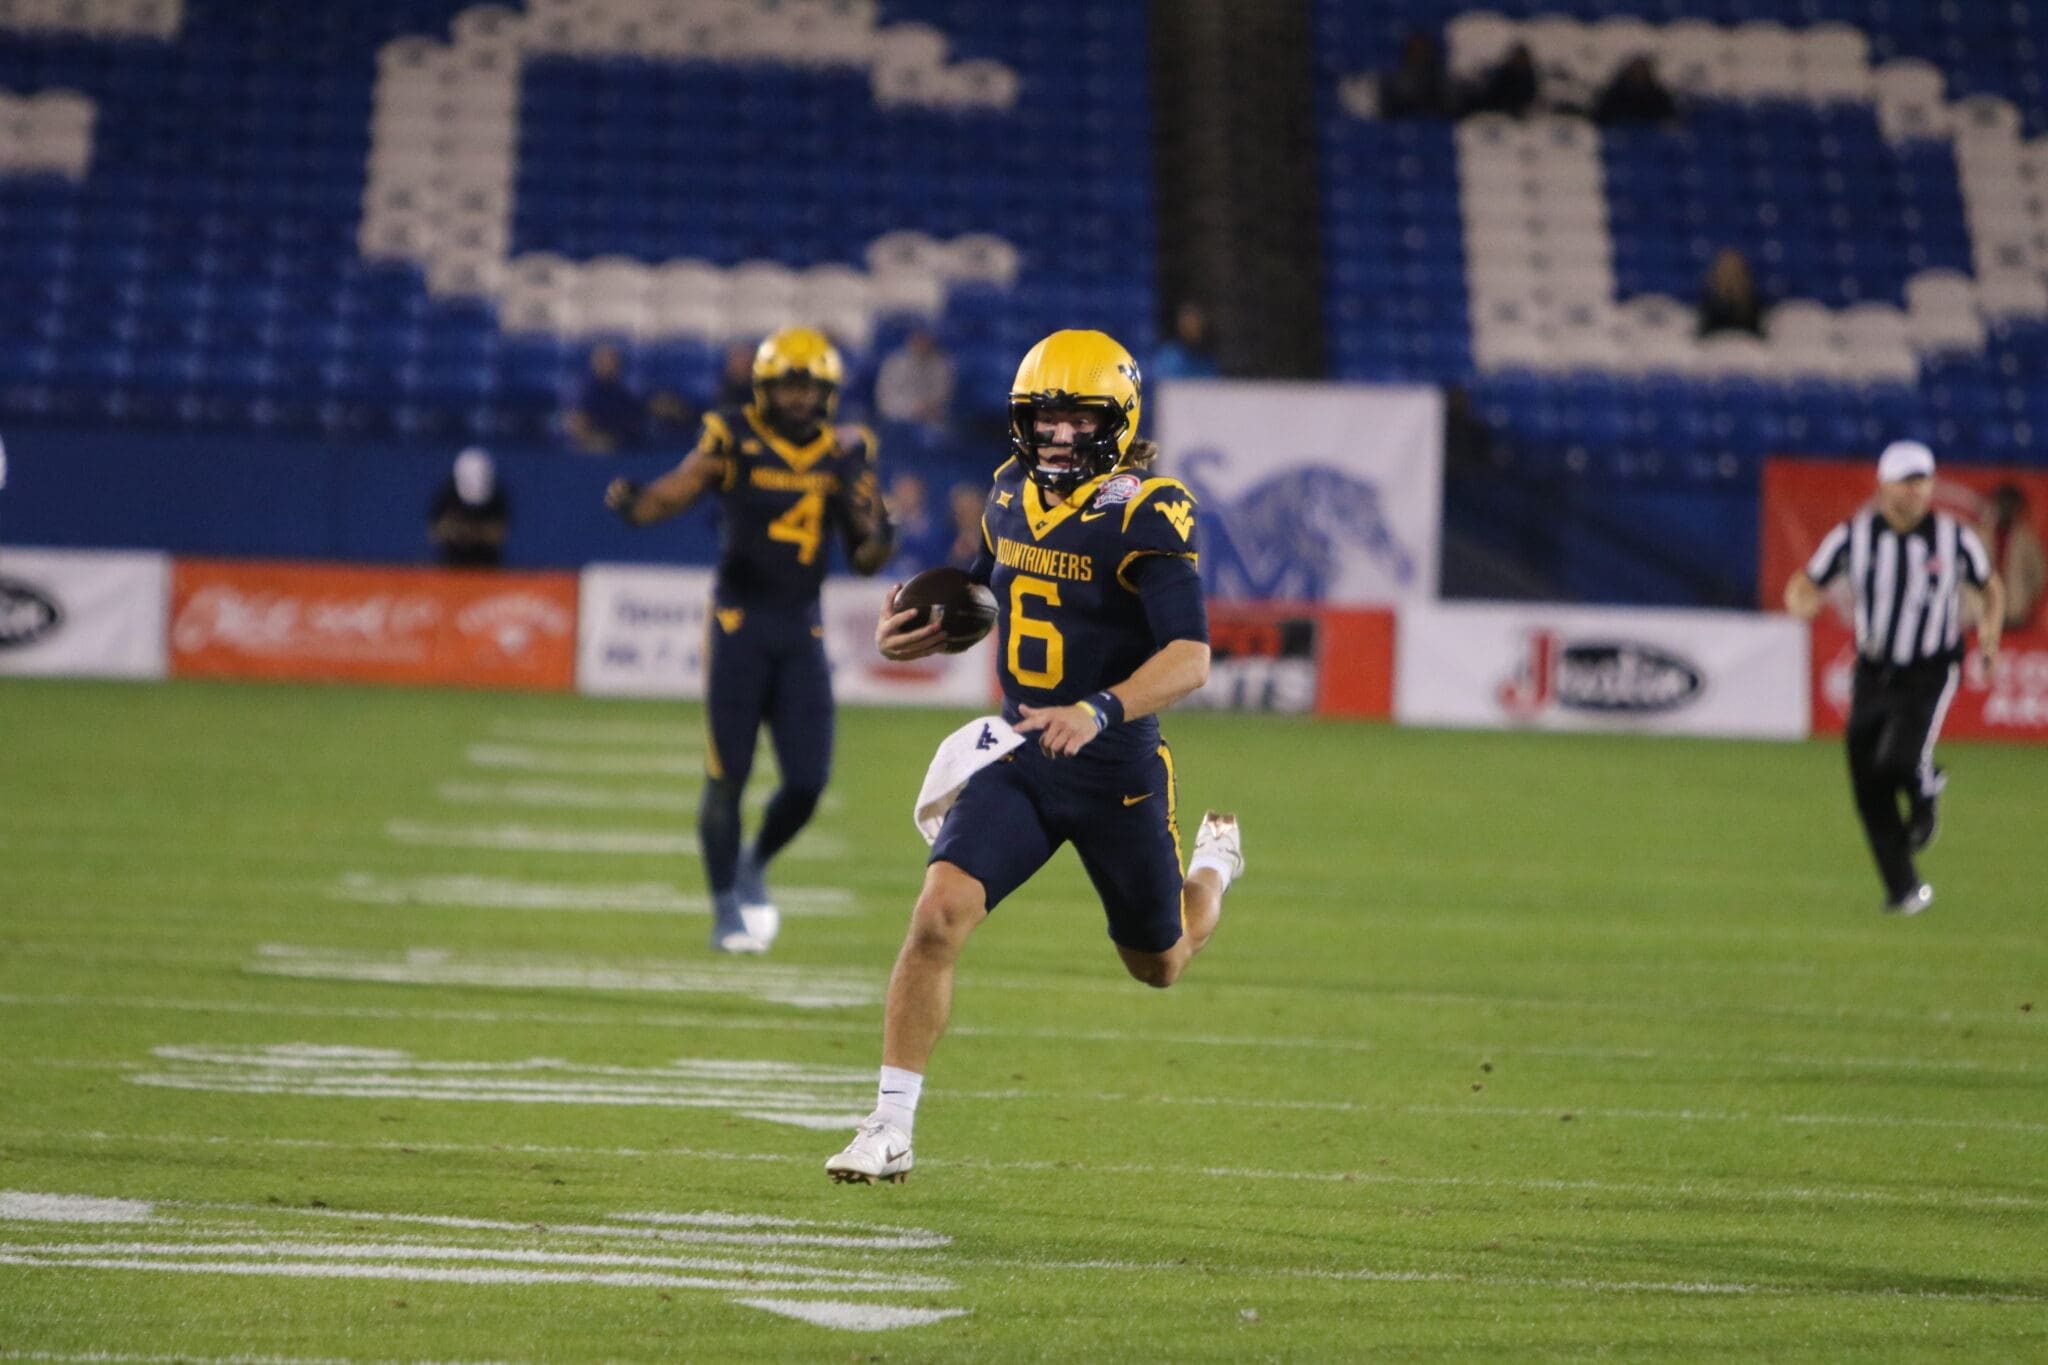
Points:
(1906, 565)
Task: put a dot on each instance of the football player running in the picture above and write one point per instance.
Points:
(1101, 626)
(785, 478)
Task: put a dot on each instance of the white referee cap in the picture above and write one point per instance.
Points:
(1905, 460)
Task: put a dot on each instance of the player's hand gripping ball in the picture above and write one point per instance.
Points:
(965, 608)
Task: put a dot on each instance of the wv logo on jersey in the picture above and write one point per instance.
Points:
(1181, 514)
(988, 739)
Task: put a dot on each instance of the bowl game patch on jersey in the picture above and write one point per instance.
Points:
(1122, 488)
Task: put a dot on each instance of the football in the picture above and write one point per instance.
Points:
(966, 608)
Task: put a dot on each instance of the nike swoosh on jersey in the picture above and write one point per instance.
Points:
(1095, 516)
(1134, 800)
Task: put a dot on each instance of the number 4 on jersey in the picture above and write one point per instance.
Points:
(803, 526)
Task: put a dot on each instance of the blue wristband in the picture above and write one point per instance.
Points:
(1107, 709)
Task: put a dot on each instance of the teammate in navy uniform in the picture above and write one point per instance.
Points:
(1101, 626)
(786, 479)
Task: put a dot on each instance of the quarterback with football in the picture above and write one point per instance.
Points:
(1100, 626)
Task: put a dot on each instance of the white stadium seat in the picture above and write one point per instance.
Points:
(905, 250)
(1910, 100)
(980, 256)
(909, 290)
(705, 318)
(689, 282)
(1760, 61)
(1618, 38)
(759, 284)
(1695, 57)
(1477, 40)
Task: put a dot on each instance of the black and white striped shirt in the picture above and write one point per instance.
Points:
(1905, 585)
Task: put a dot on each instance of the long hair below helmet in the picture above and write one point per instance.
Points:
(1087, 371)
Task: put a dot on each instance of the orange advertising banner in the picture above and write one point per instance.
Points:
(1276, 656)
(256, 619)
(1802, 501)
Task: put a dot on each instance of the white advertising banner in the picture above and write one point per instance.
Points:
(1588, 668)
(1326, 493)
(860, 675)
(642, 634)
(640, 631)
(86, 613)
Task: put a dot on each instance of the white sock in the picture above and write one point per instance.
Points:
(897, 1101)
(1220, 866)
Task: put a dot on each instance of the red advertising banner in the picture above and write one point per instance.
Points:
(346, 623)
(1277, 657)
(2013, 706)
(1802, 501)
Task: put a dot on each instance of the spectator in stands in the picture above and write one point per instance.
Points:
(915, 384)
(608, 417)
(922, 541)
(671, 420)
(1729, 301)
(965, 503)
(2016, 554)
(1635, 95)
(1510, 87)
(1188, 353)
(470, 513)
(736, 381)
(1468, 440)
(1419, 87)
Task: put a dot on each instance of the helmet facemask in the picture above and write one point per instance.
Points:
(1091, 455)
(765, 399)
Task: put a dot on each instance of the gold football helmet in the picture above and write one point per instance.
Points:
(798, 352)
(1075, 369)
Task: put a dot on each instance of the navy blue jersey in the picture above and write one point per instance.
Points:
(780, 502)
(1070, 620)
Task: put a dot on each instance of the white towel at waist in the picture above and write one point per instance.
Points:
(961, 755)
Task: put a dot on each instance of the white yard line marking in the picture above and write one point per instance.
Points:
(1727, 1190)
(820, 1097)
(853, 1317)
(799, 1268)
(706, 1228)
(566, 796)
(613, 842)
(802, 987)
(599, 732)
(740, 1253)
(575, 796)
(773, 1092)
(182, 1358)
(1180, 1270)
(19, 1206)
(558, 1018)
(527, 759)
(335, 1264)
(511, 893)
(384, 1258)
(1560, 1111)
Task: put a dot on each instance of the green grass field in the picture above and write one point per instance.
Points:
(377, 1025)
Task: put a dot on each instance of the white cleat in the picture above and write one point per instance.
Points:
(737, 941)
(879, 1151)
(763, 923)
(762, 919)
(1913, 902)
(1219, 841)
